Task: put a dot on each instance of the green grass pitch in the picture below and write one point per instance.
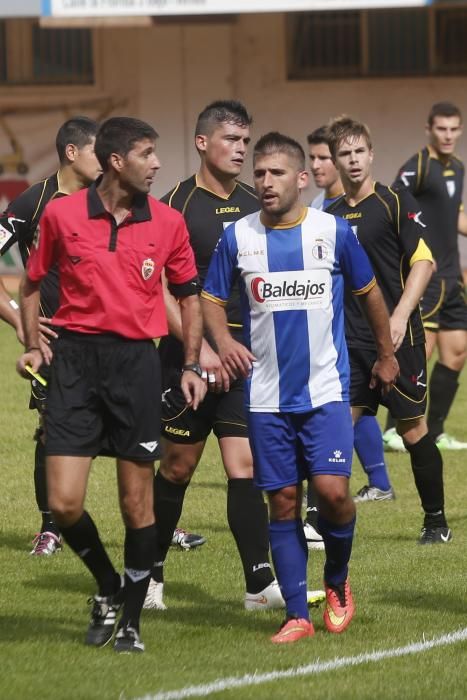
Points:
(404, 593)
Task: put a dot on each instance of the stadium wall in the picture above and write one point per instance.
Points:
(167, 72)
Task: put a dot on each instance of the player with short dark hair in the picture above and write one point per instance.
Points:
(110, 243)
(291, 263)
(78, 168)
(210, 200)
(435, 177)
(389, 227)
(368, 442)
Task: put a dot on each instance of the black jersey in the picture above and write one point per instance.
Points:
(207, 215)
(18, 224)
(388, 226)
(437, 188)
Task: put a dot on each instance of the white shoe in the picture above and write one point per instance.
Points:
(392, 441)
(153, 600)
(448, 442)
(313, 538)
(269, 598)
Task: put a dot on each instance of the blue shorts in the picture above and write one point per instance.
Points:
(290, 447)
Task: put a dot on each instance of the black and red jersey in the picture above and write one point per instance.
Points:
(390, 228)
(18, 224)
(110, 274)
(437, 187)
(207, 215)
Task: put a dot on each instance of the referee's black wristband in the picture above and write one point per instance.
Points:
(33, 347)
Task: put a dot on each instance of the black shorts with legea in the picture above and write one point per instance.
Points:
(224, 413)
(444, 304)
(407, 399)
(104, 397)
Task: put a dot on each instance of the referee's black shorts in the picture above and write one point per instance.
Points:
(408, 398)
(104, 397)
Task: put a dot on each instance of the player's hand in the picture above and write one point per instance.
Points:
(194, 389)
(44, 346)
(236, 358)
(384, 372)
(398, 326)
(33, 358)
(216, 376)
(45, 330)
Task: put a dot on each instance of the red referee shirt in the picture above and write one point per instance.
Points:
(110, 276)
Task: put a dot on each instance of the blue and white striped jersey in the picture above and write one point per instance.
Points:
(291, 282)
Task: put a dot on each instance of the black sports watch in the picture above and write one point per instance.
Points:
(195, 367)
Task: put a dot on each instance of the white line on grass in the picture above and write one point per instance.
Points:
(217, 686)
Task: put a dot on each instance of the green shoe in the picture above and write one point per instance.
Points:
(448, 442)
(392, 441)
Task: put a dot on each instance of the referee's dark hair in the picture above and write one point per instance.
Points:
(274, 142)
(443, 109)
(78, 131)
(222, 112)
(318, 136)
(119, 135)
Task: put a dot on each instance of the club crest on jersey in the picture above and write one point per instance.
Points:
(451, 187)
(319, 251)
(147, 268)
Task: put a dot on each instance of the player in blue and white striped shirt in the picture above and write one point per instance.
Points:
(291, 264)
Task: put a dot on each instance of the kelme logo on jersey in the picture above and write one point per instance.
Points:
(415, 216)
(147, 268)
(286, 291)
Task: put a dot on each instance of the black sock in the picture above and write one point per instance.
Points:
(444, 383)
(390, 422)
(311, 507)
(48, 524)
(83, 539)
(139, 555)
(427, 468)
(247, 515)
(168, 504)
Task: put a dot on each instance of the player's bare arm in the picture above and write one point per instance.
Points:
(9, 312)
(386, 368)
(29, 302)
(462, 223)
(415, 285)
(235, 357)
(193, 387)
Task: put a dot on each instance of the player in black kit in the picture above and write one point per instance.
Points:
(209, 201)
(20, 224)
(436, 179)
(390, 228)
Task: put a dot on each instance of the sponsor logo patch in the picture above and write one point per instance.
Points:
(149, 446)
(415, 216)
(451, 187)
(288, 291)
(337, 459)
(176, 431)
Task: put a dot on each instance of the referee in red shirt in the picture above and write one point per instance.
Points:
(111, 243)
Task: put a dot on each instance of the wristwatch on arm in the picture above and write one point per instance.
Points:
(194, 367)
